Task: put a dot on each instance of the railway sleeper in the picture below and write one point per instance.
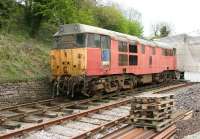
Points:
(50, 114)
(67, 111)
(31, 119)
(11, 125)
(79, 107)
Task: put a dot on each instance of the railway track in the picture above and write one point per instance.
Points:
(18, 120)
(130, 132)
(46, 106)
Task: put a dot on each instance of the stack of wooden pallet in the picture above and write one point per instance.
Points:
(152, 111)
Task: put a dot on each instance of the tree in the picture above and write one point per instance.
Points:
(70, 11)
(135, 28)
(7, 10)
(110, 17)
(133, 15)
(162, 29)
(155, 29)
(33, 14)
(165, 30)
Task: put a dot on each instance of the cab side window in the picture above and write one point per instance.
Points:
(105, 42)
(80, 40)
(94, 40)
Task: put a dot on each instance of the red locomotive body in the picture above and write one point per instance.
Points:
(148, 60)
(88, 59)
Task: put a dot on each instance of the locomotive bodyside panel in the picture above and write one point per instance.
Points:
(147, 63)
(93, 61)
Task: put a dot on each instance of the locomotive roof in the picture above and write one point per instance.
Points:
(82, 28)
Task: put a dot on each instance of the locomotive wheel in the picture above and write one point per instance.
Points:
(111, 86)
(135, 82)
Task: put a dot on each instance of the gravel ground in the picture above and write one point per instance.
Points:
(189, 99)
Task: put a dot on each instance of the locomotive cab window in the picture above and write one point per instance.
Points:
(94, 40)
(122, 46)
(133, 60)
(105, 50)
(57, 42)
(80, 40)
(70, 41)
(98, 41)
(105, 42)
(132, 48)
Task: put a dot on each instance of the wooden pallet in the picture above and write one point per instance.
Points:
(153, 119)
(151, 111)
(158, 127)
(147, 107)
(152, 98)
(171, 101)
(151, 115)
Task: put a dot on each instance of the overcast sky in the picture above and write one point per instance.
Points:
(183, 15)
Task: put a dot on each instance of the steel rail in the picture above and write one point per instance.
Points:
(59, 106)
(27, 104)
(107, 125)
(44, 109)
(166, 133)
(60, 120)
(148, 134)
(89, 99)
(70, 117)
(74, 103)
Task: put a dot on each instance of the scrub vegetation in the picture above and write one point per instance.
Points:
(22, 58)
(27, 26)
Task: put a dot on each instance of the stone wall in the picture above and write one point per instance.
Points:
(23, 92)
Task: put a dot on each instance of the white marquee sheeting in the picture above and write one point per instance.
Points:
(188, 55)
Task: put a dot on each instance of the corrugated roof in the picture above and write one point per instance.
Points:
(81, 28)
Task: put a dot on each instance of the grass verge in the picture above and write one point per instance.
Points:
(23, 58)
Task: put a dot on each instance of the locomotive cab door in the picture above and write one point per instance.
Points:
(105, 52)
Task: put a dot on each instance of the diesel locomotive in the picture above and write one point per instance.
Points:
(88, 60)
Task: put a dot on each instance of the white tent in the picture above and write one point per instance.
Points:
(188, 55)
